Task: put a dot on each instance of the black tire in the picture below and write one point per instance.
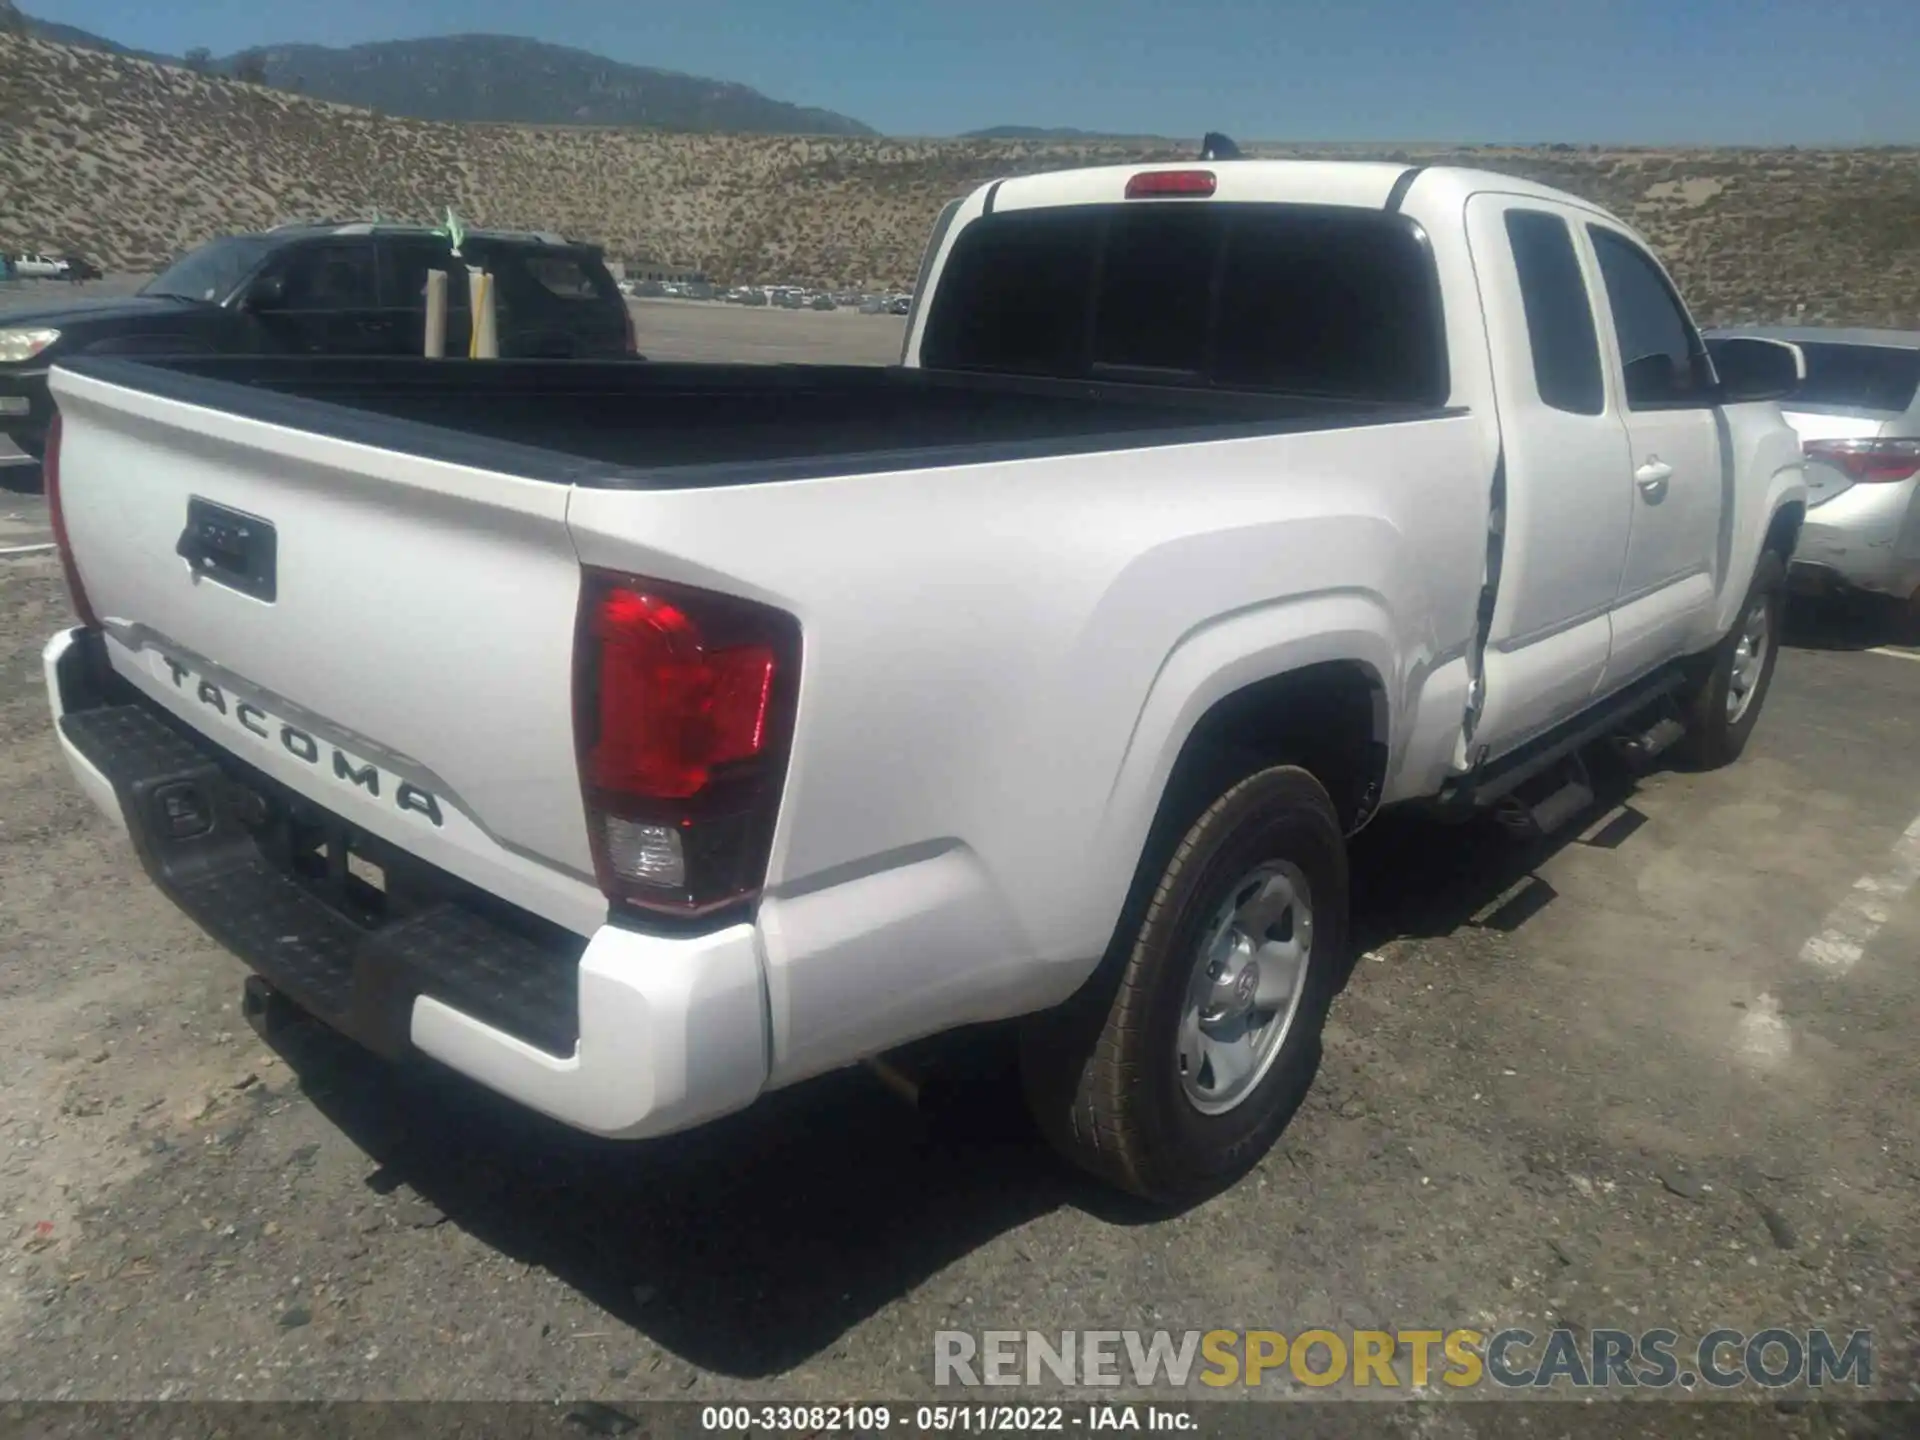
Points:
(1102, 1073)
(1714, 737)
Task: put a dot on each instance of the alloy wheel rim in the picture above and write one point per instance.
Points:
(1244, 990)
(1749, 660)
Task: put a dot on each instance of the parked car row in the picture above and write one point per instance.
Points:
(802, 297)
(320, 290)
(780, 297)
(668, 289)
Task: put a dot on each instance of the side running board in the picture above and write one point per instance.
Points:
(1500, 778)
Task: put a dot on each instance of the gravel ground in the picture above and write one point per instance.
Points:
(1593, 1084)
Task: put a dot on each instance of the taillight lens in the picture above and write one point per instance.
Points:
(57, 518)
(1868, 462)
(683, 716)
(1151, 184)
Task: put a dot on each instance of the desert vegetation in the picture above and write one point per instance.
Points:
(130, 162)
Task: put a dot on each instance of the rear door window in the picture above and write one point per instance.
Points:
(563, 276)
(1560, 331)
(334, 275)
(408, 264)
(1306, 300)
(543, 278)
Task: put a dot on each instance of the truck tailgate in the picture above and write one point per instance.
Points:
(389, 636)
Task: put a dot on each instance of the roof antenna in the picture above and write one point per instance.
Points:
(1218, 147)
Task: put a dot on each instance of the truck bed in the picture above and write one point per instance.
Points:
(625, 425)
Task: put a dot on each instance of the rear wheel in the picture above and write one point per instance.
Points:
(1175, 1069)
(1725, 702)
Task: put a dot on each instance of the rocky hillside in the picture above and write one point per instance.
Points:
(130, 162)
(491, 78)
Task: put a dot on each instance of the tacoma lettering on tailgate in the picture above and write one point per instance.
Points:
(303, 746)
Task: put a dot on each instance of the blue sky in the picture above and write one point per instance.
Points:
(1633, 71)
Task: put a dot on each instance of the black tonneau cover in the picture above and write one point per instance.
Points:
(649, 425)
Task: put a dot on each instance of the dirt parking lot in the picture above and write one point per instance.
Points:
(1661, 1072)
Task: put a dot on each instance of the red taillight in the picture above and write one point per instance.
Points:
(57, 519)
(1161, 183)
(683, 715)
(1868, 461)
(702, 708)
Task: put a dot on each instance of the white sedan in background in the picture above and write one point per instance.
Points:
(39, 267)
(1858, 414)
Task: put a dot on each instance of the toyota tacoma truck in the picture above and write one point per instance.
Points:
(636, 740)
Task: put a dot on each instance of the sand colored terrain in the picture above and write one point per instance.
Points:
(130, 162)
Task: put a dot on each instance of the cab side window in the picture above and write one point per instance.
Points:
(332, 277)
(1661, 355)
(1560, 329)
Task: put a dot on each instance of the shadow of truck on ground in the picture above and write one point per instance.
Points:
(754, 1243)
(1850, 622)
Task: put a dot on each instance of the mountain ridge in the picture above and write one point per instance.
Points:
(483, 78)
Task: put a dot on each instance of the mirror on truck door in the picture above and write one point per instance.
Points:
(1754, 369)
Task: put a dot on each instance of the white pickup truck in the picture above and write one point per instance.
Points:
(639, 738)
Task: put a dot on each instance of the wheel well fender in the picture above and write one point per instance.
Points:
(1783, 530)
(1309, 682)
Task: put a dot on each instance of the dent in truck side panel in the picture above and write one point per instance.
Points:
(1567, 496)
(1476, 657)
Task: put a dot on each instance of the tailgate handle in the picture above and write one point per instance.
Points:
(229, 548)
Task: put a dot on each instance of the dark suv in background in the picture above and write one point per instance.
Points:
(356, 289)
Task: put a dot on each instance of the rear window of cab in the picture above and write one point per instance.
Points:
(1307, 300)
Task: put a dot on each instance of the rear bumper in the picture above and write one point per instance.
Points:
(622, 1034)
(1865, 538)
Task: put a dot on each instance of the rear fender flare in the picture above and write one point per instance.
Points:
(1213, 661)
(1783, 507)
(1755, 448)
